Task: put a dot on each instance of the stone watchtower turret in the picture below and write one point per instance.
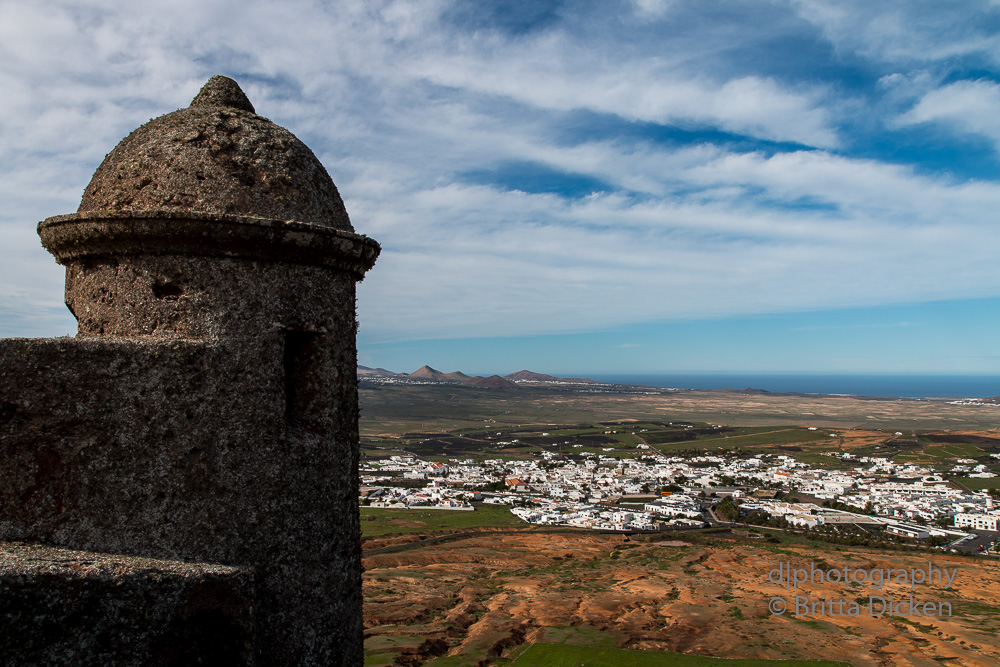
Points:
(207, 410)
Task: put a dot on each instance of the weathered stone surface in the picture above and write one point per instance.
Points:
(85, 236)
(186, 296)
(207, 410)
(217, 156)
(63, 607)
(221, 91)
(241, 452)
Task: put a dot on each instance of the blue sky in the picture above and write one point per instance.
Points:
(572, 187)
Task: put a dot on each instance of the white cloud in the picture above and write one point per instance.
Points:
(402, 107)
(855, 187)
(551, 73)
(652, 9)
(967, 106)
(906, 31)
(892, 236)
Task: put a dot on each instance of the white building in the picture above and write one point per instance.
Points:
(977, 521)
(905, 530)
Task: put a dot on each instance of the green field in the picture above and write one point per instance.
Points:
(943, 456)
(762, 436)
(383, 649)
(980, 484)
(587, 647)
(457, 440)
(953, 451)
(375, 522)
(562, 655)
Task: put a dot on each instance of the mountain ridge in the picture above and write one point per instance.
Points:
(427, 373)
(531, 376)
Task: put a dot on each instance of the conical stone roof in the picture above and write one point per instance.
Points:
(216, 156)
(214, 179)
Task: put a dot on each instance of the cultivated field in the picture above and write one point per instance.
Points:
(393, 410)
(443, 422)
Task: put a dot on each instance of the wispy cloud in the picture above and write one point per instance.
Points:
(704, 159)
(902, 31)
(965, 106)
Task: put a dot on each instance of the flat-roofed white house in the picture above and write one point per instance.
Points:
(977, 521)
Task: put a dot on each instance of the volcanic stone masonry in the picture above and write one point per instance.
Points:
(180, 479)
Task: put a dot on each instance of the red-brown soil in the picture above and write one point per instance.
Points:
(480, 596)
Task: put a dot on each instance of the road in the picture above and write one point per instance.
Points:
(983, 541)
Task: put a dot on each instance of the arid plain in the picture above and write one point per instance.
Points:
(394, 409)
(479, 598)
(489, 591)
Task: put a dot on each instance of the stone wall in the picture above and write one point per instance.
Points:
(63, 607)
(215, 452)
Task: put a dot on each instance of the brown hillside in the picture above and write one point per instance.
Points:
(476, 597)
(365, 371)
(434, 375)
(425, 373)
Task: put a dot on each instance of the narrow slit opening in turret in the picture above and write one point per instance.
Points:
(302, 368)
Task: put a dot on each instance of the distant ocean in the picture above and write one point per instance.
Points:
(892, 386)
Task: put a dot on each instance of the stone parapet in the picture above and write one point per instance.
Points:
(236, 452)
(64, 607)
